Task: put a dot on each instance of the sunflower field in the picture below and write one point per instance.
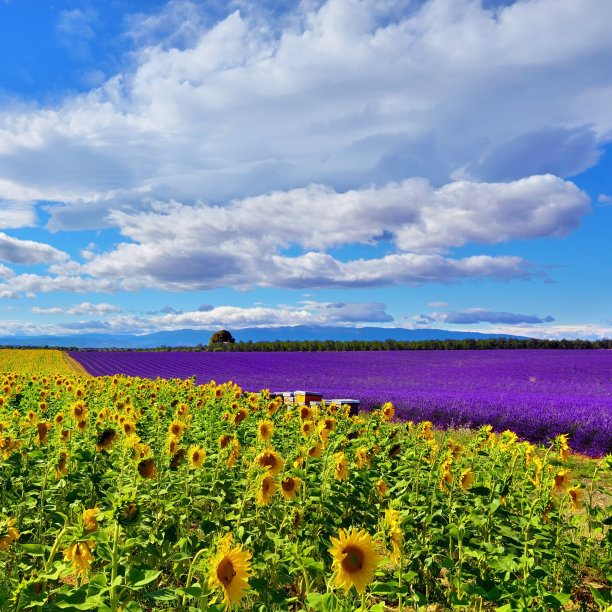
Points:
(122, 493)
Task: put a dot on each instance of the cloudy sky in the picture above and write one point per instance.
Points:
(213, 163)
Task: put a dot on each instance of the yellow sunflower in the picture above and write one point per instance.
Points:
(340, 466)
(315, 451)
(561, 481)
(267, 488)
(105, 439)
(290, 487)
(8, 533)
(466, 480)
(176, 430)
(307, 428)
(230, 570)
(271, 461)
(575, 495)
(381, 488)
(60, 468)
(387, 411)
(354, 559)
(362, 457)
(265, 429)
(89, 519)
(80, 555)
(196, 457)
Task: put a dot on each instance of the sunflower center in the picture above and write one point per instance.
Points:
(268, 461)
(288, 484)
(353, 559)
(225, 572)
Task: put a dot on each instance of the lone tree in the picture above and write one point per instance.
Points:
(221, 337)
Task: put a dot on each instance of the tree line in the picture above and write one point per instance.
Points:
(382, 345)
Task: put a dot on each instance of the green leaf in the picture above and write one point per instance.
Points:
(479, 490)
(138, 578)
(163, 595)
(35, 550)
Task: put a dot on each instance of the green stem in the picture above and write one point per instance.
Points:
(114, 563)
(190, 574)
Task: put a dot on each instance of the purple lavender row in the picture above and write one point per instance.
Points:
(538, 394)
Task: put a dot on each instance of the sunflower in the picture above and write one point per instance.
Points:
(128, 513)
(340, 466)
(224, 440)
(129, 428)
(446, 479)
(89, 519)
(466, 480)
(305, 413)
(381, 488)
(267, 488)
(105, 439)
(80, 555)
(394, 530)
(354, 559)
(426, 432)
(177, 458)
(564, 449)
(176, 430)
(64, 435)
(147, 469)
(43, 428)
(8, 533)
(362, 457)
(271, 461)
(196, 457)
(81, 425)
(290, 486)
(60, 468)
(240, 416)
(273, 406)
(387, 411)
(43, 406)
(265, 429)
(575, 495)
(232, 458)
(307, 428)
(230, 570)
(315, 451)
(78, 411)
(561, 481)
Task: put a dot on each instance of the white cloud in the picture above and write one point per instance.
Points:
(79, 309)
(180, 247)
(235, 109)
(28, 252)
(17, 214)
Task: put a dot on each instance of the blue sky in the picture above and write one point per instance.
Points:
(433, 163)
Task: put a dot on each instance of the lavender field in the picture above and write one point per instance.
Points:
(536, 393)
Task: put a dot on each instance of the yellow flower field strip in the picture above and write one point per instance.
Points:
(41, 361)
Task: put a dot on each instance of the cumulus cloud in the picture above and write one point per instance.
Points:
(242, 108)
(79, 309)
(28, 252)
(191, 247)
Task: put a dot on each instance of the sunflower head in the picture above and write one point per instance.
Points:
(240, 415)
(230, 570)
(354, 559)
(315, 451)
(466, 480)
(197, 456)
(267, 488)
(265, 429)
(89, 519)
(575, 495)
(177, 458)
(176, 429)
(147, 469)
(105, 439)
(127, 513)
(381, 488)
(290, 487)
(80, 555)
(271, 461)
(387, 411)
(340, 466)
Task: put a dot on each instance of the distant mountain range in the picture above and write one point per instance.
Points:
(193, 337)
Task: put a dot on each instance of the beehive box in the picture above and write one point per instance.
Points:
(352, 404)
(305, 397)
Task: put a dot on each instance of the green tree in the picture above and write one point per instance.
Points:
(221, 337)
